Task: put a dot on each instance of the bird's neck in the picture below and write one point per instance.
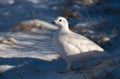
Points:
(65, 29)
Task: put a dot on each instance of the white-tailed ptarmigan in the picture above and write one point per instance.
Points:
(73, 47)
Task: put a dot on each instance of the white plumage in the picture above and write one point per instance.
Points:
(73, 47)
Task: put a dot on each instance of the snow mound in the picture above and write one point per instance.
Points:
(34, 26)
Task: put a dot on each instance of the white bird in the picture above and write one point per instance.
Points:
(73, 47)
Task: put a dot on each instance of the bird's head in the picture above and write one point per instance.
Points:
(61, 21)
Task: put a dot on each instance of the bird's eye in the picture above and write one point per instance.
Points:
(60, 20)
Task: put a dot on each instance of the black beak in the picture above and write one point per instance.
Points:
(53, 22)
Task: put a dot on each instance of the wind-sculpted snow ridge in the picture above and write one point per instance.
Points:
(33, 26)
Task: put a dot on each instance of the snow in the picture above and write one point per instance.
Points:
(7, 1)
(33, 57)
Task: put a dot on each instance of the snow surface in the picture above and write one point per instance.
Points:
(33, 57)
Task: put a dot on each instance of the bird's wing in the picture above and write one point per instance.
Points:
(75, 43)
(85, 43)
